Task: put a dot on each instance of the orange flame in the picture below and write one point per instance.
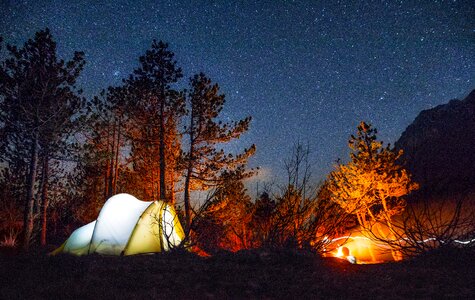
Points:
(365, 250)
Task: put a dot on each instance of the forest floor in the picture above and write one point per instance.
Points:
(246, 274)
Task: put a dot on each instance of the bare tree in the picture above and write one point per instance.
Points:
(303, 216)
(430, 224)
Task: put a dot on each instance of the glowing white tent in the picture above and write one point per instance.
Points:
(126, 226)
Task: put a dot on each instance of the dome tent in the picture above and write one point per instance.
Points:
(127, 226)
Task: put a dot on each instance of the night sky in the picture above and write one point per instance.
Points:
(304, 70)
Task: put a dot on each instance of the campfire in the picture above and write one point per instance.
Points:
(360, 249)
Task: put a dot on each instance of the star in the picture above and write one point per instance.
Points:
(383, 61)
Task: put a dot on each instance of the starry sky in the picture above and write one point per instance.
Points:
(306, 71)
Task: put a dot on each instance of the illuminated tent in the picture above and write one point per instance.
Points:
(127, 226)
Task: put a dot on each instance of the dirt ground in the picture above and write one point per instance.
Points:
(246, 274)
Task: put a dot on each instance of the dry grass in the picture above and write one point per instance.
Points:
(246, 274)
(10, 239)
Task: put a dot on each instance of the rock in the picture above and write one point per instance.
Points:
(439, 148)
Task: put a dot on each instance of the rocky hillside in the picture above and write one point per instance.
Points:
(439, 148)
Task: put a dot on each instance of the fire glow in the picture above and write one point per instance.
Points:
(363, 250)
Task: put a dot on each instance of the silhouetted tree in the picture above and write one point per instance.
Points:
(264, 208)
(225, 220)
(38, 102)
(428, 224)
(204, 163)
(105, 154)
(157, 107)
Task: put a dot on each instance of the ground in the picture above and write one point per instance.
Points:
(246, 274)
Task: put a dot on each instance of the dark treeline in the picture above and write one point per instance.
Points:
(63, 155)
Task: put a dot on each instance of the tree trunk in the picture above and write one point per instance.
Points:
(397, 256)
(244, 240)
(187, 198)
(106, 181)
(153, 183)
(366, 233)
(189, 172)
(171, 192)
(107, 170)
(111, 165)
(162, 150)
(28, 220)
(116, 163)
(45, 200)
(38, 199)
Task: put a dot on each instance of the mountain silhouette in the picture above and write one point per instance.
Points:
(439, 148)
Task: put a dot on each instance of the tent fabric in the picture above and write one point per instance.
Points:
(79, 241)
(115, 223)
(127, 226)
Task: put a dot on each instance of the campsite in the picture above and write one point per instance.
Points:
(130, 255)
(280, 149)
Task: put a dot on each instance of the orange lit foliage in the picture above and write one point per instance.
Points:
(157, 109)
(225, 222)
(299, 220)
(135, 138)
(232, 222)
(293, 219)
(298, 217)
(123, 142)
(145, 173)
(203, 161)
(303, 216)
(371, 184)
(104, 159)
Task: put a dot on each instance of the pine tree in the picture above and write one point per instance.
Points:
(39, 101)
(156, 106)
(262, 218)
(371, 185)
(204, 163)
(224, 224)
(107, 137)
